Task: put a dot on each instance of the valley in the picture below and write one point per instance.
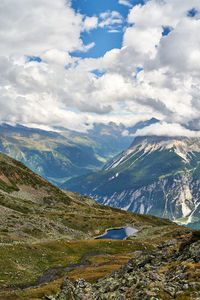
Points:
(155, 175)
(62, 154)
(100, 150)
(48, 233)
(43, 228)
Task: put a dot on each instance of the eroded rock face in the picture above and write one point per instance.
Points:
(155, 175)
(169, 272)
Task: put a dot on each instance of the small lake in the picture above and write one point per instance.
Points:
(119, 234)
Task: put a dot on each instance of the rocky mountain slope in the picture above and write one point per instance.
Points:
(33, 209)
(156, 175)
(169, 272)
(44, 231)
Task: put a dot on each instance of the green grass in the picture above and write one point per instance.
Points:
(52, 213)
(48, 228)
(23, 264)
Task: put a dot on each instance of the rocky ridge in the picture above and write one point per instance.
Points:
(172, 271)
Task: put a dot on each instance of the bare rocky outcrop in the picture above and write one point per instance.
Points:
(169, 272)
(175, 198)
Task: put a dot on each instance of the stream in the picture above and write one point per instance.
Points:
(52, 273)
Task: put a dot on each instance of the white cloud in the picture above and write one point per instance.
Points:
(56, 56)
(166, 129)
(180, 50)
(166, 86)
(143, 41)
(113, 30)
(125, 2)
(31, 27)
(90, 23)
(110, 19)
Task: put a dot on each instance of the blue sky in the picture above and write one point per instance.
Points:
(103, 39)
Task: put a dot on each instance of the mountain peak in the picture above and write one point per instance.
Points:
(156, 175)
(182, 146)
(148, 144)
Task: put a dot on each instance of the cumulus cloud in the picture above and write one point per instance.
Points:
(31, 27)
(110, 20)
(55, 56)
(154, 73)
(90, 23)
(166, 129)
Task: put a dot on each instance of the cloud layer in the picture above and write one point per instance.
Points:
(155, 73)
(166, 129)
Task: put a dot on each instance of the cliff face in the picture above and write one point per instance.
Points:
(169, 272)
(156, 175)
(175, 198)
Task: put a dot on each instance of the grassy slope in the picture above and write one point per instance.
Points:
(22, 264)
(50, 227)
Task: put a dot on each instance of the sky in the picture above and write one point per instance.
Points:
(73, 63)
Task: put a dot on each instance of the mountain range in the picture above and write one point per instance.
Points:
(155, 175)
(46, 231)
(62, 154)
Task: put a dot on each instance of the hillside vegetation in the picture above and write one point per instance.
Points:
(44, 229)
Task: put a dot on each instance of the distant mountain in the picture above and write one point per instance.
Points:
(49, 154)
(59, 156)
(155, 175)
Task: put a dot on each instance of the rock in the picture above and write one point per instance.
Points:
(194, 285)
(195, 235)
(163, 271)
(49, 297)
(185, 286)
(67, 290)
(179, 293)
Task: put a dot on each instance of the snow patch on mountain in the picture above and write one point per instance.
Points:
(183, 147)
